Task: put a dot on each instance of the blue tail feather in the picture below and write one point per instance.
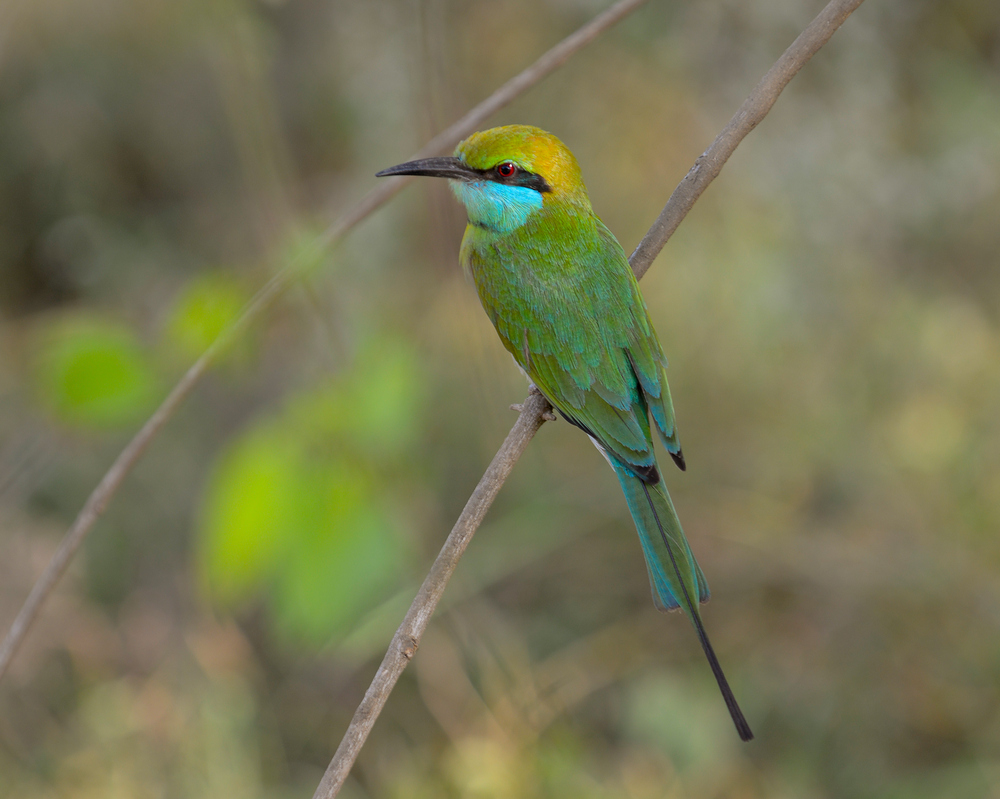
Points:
(645, 512)
(674, 574)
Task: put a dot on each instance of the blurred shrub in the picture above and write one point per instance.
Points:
(92, 372)
(298, 504)
(202, 311)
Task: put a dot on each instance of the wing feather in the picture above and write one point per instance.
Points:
(568, 309)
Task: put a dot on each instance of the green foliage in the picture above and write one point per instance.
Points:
(298, 504)
(92, 372)
(202, 311)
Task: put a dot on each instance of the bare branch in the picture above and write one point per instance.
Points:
(94, 507)
(407, 637)
(536, 409)
(753, 110)
(126, 460)
(516, 86)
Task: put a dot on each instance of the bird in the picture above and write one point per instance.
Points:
(558, 288)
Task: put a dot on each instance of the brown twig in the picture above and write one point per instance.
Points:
(753, 110)
(407, 638)
(535, 409)
(126, 460)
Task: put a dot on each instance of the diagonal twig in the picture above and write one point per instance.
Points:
(536, 409)
(126, 460)
(708, 165)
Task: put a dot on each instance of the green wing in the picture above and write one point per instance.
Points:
(568, 308)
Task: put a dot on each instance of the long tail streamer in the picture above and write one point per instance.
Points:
(742, 727)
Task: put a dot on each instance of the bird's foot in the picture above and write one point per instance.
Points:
(548, 414)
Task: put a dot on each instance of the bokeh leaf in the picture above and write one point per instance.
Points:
(348, 553)
(93, 372)
(202, 311)
(249, 500)
(298, 509)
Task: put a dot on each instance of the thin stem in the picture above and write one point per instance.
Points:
(535, 410)
(407, 638)
(265, 297)
(708, 165)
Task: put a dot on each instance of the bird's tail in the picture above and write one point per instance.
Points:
(674, 575)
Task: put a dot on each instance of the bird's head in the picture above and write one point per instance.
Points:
(505, 175)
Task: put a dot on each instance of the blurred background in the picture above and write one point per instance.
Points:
(831, 311)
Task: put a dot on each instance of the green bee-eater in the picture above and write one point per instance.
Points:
(558, 288)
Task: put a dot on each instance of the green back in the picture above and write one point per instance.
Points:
(561, 294)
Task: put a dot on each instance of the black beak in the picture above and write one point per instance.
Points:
(433, 167)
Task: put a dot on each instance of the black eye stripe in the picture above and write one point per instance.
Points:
(520, 177)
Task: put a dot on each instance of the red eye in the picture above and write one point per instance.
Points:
(506, 169)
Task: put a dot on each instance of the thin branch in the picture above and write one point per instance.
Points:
(126, 460)
(753, 110)
(516, 86)
(407, 638)
(535, 409)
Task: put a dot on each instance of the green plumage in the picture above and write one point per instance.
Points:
(562, 296)
(566, 305)
(559, 290)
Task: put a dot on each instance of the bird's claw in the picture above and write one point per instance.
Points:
(547, 415)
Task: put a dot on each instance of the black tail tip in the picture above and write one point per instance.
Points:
(745, 733)
(742, 728)
(679, 460)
